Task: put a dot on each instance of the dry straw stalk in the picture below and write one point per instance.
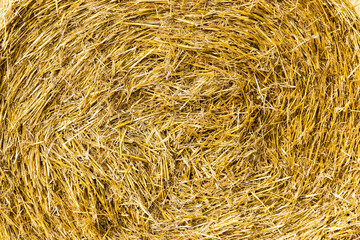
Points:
(163, 119)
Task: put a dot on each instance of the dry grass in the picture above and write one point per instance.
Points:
(5, 6)
(157, 119)
(356, 4)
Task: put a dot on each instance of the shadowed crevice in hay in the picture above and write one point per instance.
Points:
(179, 120)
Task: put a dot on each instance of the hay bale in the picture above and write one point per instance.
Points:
(162, 119)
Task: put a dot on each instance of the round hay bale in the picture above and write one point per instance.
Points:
(164, 119)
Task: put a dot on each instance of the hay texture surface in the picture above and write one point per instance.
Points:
(156, 119)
